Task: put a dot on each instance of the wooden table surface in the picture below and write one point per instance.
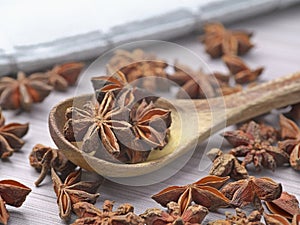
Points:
(276, 37)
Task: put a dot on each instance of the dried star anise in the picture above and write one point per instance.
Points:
(72, 190)
(95, 125)
(89, 214)
(11, 193)
(254, 142)
(22, 92)
(10, 136)
(141, 69)
(252, 190)
(225, 164)
(242, 73)
(198, 85)
(219, 41)
(115, 126)
(290, 133)
(240, 218)
(44, 158)
(64, 75)
(287, 205)
(193, 215)
(203, 192)
(275, 219)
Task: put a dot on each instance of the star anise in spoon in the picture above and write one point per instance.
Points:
(251, 191)
(64, 75)
(11, 193)
(219, 41)
(72, 191)
(254, 142)
(242, 73)
(89, 214)
(193, 215)
(203, 192)
(43, 158)
(10, 136)
(95, 125)
(22, 92)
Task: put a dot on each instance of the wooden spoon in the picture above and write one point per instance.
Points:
(193, 121)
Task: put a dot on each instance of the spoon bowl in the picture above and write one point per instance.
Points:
(193, 121)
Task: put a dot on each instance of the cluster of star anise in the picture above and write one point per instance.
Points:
(121, 123)
(259, 144)
(219, 42)
(22, 92)
(140, 69)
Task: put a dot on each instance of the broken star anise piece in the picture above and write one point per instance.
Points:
(219, 41)
(254, 142)
(10, 136)
(240, 218)
(276, 219)
(287, 205)
(242, 73)
(225, 164)
(44, 158)
(193, 215)
(141, 69)
(290, 133)
(89, 214)
(64, 75)
(73, 190)
(251, 191)
(11, 193)
(95, 125)
(22, 92)
(203, 192)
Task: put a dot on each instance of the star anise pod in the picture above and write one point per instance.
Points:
(95, 125)
(198, 85)
(44, 158)
(219, 41)
(112, 83)
(225, 164)
(290, 133)
(252, 190)
(89, 214)
(72, 190)
(242, 73)
(254, 142)
(203, 192)
(10, 136)
(287, 205)
(193, 215)
(240, 218)
(11, 193)
(64, 75)
(141, 69)
(276, 219)
(22, 92)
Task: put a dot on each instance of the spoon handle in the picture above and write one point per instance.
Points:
(263, 98)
